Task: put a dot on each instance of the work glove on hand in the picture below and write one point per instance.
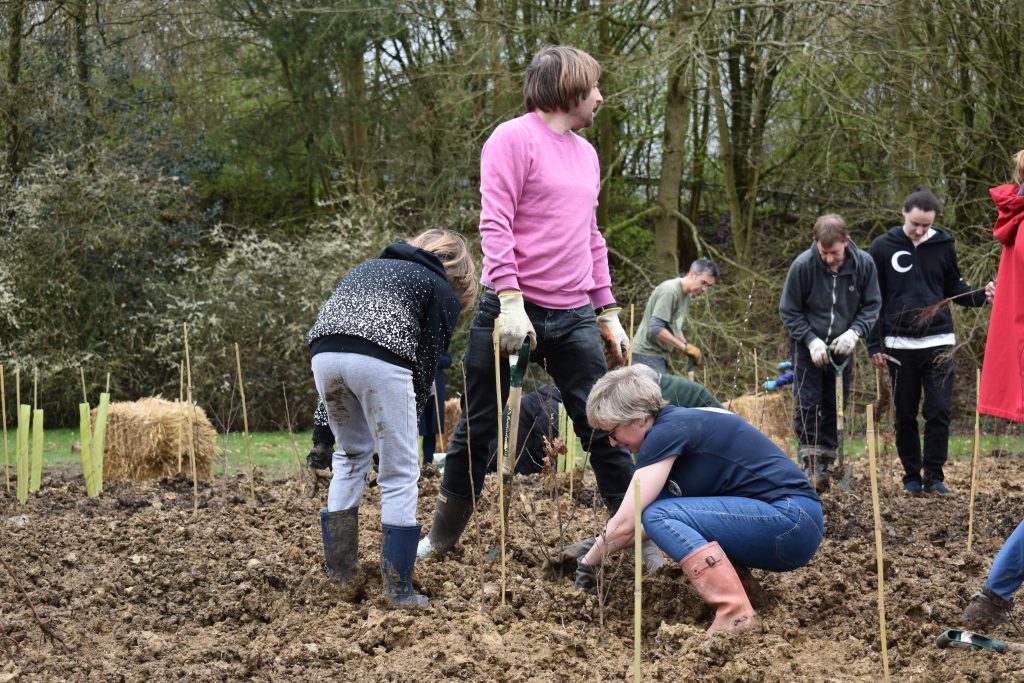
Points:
(694, 353)
(513, 325)
(652, 557)
(586, 577)
(320, 456)
(566, 557)
(844, 343)
(611, 328)
(819, 352)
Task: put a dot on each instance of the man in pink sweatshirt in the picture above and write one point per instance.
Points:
(545, 276)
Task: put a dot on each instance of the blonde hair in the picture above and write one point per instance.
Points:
(558, 78)
(622, 396)
(1018, 170)
(456, 259)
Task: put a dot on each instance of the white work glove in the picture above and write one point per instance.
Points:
(513, 325)
(611, 328)
(819, 352)
(844, 343)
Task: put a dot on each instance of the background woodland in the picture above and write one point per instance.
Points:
(224, 162)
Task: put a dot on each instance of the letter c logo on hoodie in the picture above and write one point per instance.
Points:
(896, 262)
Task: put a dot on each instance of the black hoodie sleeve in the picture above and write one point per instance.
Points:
(955, 286)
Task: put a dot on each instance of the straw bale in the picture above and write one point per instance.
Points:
(452, 413)
(767, 412)
(142, 440)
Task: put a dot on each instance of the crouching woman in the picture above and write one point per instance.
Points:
(717, 495)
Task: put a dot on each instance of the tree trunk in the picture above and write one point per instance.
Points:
(11, 112)
(666, 227)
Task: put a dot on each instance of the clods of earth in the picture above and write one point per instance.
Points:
(133, 585)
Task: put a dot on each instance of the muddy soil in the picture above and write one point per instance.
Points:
(137, 587)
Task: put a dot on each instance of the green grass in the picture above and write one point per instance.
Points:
(276, 453)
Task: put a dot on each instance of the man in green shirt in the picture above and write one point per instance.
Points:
(661, 328)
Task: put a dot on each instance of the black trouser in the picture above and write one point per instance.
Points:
(814, 391)
(569, 349)
(929, 369)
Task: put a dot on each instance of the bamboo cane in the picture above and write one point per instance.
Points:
(629, 353)
(438, 414)
(3, 415)
(181, 406)
(878, 540)
(23, 420)
(245, 426)
(35, 388)
(37, 451)
(85, 395)
(974, 463)
(17, 388)
(501, 457)
(291, 433)
(757, 382)
(191, 428)
(638, 574)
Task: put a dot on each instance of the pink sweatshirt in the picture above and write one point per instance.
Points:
(538, 224)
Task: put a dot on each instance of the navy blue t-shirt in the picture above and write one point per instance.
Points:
(720, 454)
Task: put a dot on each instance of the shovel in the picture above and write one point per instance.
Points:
(844, 469)
(969, 640)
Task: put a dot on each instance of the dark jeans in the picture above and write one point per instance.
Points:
(814, 390)
(569, 349)
(931, 370)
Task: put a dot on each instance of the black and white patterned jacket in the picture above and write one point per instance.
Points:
(398, 308)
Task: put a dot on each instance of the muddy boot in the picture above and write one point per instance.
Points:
(757, 595)
(716, 581)
(809, 457)
(451, 514)
(397, 558)
(340, 531)
(822, 478)
(987, 609)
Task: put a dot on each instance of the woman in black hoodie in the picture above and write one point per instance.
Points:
(374, 350)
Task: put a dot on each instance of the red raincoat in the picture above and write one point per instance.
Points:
(1002, 375)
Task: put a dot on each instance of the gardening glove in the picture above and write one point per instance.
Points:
(652, 556)
(586, 578)
(819, 352)
(844, 343)
(566, 556)
(320, 456)
(769, 385)
(611, 328)
(694, 353)
(513, 325)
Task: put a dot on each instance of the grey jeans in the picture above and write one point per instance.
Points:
(370, 403)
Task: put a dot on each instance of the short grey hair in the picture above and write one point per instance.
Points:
(705, 266)
(622, 396)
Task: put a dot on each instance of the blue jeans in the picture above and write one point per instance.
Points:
(1008, 568)
(658, 363)
(569, 349)
(777, 536)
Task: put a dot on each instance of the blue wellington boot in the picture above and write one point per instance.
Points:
(340, 532)
(397, 558)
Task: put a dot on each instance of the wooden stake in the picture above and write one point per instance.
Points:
(85, 395)
(17, 389)
(638, 577)
(191, 427)
(974, 463)
(108, 383)
(501, 457)
(245, 427)
(3, 412)
(878, 540)
(35, 389)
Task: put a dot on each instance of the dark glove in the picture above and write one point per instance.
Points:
(586, 577)
(566, 557)
(320, 456)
